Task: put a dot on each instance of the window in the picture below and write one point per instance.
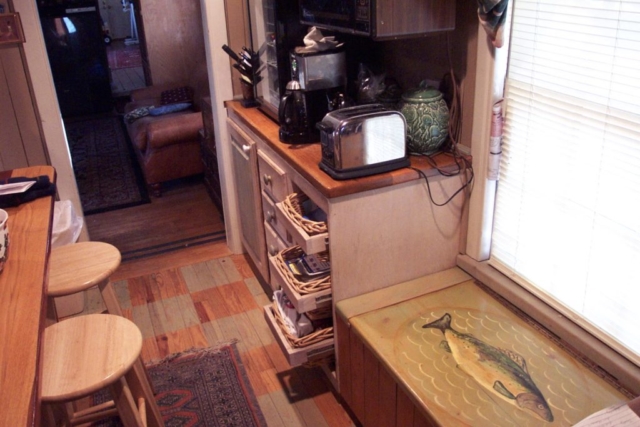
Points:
(567, 216)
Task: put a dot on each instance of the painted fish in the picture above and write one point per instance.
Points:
(503, 372)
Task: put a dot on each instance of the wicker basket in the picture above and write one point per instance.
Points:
(307, 340)
(292, 205)
(303, 288)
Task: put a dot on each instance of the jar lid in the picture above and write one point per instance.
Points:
(422, 93)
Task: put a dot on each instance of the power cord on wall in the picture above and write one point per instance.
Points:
(455, 125)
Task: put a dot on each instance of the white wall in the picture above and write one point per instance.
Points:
(47, 104)
(215, 34)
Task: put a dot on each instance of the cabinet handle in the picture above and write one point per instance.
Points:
(246, 148)
(267, 179)
(270, 217)
(273, 251)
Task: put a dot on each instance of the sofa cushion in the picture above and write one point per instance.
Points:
(177, 95)
(171, 108)
(135, 114)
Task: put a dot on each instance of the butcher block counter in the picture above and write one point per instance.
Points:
(304, 158)
(23, 304)
(458, 356)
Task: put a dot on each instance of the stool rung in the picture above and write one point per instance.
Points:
(95, 413)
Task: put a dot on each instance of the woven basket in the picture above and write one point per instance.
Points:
(303, 288)
(292, 205)
(307, 340)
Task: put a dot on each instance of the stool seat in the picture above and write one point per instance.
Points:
(80, 266)
(87, 353)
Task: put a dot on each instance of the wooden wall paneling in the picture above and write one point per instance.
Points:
(26, 114)
(387, 390)
(343, 358)
(372, 390)
(356, 350)
(404, 409)
(11, 151)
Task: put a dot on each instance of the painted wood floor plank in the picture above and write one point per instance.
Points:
(229, 269)
(187, 310)
(213, 333)
(270, 412)
(142, 318)
(216, 272)
(121, 289)
(263, 332)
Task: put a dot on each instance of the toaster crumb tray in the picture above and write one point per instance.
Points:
(366, 170)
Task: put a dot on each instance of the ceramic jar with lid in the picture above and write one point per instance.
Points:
(427, 117)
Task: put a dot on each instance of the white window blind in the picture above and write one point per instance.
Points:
(567, 216)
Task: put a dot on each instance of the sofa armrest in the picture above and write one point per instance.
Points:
(174, 129)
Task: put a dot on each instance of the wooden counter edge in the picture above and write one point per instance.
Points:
(304, 158)
(396, 294)
(33, 416)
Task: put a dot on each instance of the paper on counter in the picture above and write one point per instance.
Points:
(618, 416)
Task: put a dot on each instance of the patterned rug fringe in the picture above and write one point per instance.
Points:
(194, 352)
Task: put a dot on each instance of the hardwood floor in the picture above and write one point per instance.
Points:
(203, 295)
(183, 216)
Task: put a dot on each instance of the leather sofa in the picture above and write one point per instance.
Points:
(167, 146)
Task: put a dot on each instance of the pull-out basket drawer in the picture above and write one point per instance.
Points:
(307, 295)
(302, 302)
(315, 352)
(312, 236)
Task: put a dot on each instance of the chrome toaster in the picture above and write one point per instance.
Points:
(362, 140)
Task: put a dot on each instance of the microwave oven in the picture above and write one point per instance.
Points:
(380, 19)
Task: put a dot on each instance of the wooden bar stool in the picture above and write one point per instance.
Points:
(85, 354)
(80, 266)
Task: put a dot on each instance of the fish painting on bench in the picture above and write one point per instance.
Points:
(502, 372)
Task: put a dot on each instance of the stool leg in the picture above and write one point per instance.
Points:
(113, 307)
(109, 297)
(140, 386)
(125, 403)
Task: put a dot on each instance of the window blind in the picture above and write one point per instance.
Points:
(567, 215)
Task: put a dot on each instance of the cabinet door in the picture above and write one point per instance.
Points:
(245, 166)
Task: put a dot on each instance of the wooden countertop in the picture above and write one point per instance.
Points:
(304, 158)
(23, 304)
(451, 377)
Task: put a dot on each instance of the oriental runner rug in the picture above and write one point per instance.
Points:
(104, 165)
(202, 387)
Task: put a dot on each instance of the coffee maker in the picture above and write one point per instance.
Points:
(317, 78)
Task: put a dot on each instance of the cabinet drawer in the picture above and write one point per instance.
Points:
(298, 356)
(275, 243)
(309, 244)
(302, 303)
(273, 179)
(270, 217)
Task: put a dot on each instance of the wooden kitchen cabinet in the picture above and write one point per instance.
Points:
(245, 165)
(382, 230)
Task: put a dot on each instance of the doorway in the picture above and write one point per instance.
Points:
(123, 46)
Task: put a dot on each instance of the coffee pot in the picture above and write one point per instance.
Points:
(293, 115)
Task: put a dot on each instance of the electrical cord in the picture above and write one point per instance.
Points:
(454, 132)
